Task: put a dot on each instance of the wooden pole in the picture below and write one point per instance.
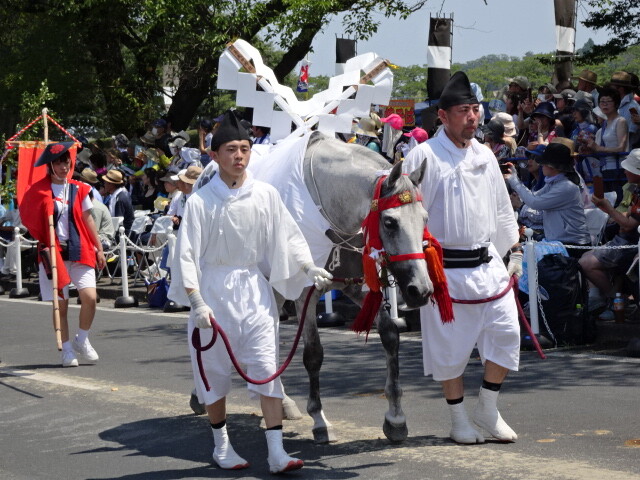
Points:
(54, 282)
(46, 125)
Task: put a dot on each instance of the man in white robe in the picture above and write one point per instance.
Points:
(471, 216)
(236, 233)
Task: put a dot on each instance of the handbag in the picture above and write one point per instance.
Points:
(157, 292)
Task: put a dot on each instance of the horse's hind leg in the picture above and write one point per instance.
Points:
(312, 357)
(395, 423)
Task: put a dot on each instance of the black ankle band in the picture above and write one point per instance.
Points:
(218, 426)
(455, 401)
(276, 427)
(494, 387)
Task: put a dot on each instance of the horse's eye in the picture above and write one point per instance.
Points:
(390, 223)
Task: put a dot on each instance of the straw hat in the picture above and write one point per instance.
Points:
(113, 176)
(90, 176)
(190, 175)
(366, 126)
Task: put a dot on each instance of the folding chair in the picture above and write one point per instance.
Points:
(160, 231)
(596, 221)
(138, 227)
(112, 255)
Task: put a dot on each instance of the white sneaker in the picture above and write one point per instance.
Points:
(69, 359)
(85, 350)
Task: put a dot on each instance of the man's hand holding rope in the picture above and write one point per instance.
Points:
(200, 309)
(319, 276)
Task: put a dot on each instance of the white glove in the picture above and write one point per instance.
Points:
(515, 264)
(201, 310)
(319, 276)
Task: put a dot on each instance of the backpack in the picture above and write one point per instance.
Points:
(562, 288)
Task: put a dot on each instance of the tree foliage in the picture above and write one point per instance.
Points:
(620, 19)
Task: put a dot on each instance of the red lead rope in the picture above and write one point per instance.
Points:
(217, 330)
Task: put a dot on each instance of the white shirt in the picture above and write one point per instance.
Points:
(468, 204)
(61, 198)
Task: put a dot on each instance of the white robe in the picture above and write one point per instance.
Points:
(229, 242)
(469, 207)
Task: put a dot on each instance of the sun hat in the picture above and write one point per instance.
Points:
(587, 76)
(520, 80)
(495, 129)
(558, 156)
(53, 151)
(179, 140)
(567, 142)
(170, 177)
(545, 109)
(507, 123)
(366, 126)
(148, 138)
(113, 176)
(621, 79)
(90, 176)
(190, 175)
(632, 162)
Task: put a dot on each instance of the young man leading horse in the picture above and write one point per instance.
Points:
(470, 215)
(237, 241)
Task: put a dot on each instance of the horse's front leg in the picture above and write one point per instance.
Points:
(395, 423)
(312, 357)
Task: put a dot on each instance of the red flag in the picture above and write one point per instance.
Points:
(303, 81)
(28, 153)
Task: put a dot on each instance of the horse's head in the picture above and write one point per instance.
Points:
(401, 232)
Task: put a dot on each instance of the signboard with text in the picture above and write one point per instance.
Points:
(403, 107)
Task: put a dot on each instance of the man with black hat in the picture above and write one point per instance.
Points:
(237, 241)
(470, 214)
(78, 246)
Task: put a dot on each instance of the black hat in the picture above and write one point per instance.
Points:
(229, 130)
(495, 128)
(457, 91)
(545, 109)
(558, 156)
(53, 151)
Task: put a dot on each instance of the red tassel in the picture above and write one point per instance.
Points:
(368, 312)
(433, 256)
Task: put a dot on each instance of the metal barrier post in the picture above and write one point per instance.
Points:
(125, 300)
(329, 318)
(532, 273)
(19, 291)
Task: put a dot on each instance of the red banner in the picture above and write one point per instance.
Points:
(28, 153)
(404, 108)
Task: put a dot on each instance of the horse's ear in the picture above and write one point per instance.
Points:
(417, 175)
(396, 171)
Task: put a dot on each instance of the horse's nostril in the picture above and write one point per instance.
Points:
(413, 291)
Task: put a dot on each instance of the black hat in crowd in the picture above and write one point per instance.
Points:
(53, 151)
(545, 109)
(495, 129)
(557, 156)
(457, 91)
(229, 130)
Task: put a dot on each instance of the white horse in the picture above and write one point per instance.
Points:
(341, 178)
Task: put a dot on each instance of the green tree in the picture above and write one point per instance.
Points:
(620, 19)
(128, 46)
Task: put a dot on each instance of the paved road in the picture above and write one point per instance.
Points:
(128, 417)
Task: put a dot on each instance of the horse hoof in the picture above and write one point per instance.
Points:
(395, 433)
(290, 410)
(324, 435)
(196, 406)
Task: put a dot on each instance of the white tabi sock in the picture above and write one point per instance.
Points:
(66, 346)
(462, 431)
(82, 335)
(278, 459)
(486, 415)
(223, 454)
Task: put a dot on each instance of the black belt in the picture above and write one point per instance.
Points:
(465, 258)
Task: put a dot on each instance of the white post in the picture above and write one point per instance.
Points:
(392, 295)
(123, 264)
(328, 302)
(19, 291)
(18, 248)
(532, 272)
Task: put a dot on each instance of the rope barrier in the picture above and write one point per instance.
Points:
(140, 248)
